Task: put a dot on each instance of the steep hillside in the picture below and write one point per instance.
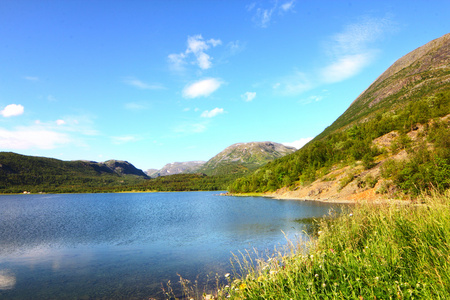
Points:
(21, 172)
(393, 140)
(242, 157)
(420, 73)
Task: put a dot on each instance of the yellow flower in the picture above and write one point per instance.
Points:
(242, 286)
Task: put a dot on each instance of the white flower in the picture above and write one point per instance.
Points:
(227, 275)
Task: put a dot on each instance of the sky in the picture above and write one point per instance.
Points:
(156, 82)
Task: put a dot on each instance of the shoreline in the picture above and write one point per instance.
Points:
(278, 196)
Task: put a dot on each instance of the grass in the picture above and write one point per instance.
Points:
(386, 251)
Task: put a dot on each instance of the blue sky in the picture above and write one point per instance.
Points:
(155, 82)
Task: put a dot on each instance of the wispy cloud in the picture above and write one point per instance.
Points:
(190, 128)
(118, 140)
(142, 85)
(350, 50)
(248, 96)
(31, 78)
(212, 113)
(136, 106)
(298, 143)
(310, 99)
(293, 84)
(202, 88)
(12, 110)
(70, 130)
(263, 15)
(32, 137)
(197, 47)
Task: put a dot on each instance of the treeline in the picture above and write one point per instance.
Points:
(15, 183)
(181, 182)
(426, 167)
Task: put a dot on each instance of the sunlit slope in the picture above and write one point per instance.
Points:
(244, 157)
(408, 101)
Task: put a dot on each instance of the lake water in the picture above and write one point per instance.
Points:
(123, 246)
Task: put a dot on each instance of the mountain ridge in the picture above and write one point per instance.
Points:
(408, 107)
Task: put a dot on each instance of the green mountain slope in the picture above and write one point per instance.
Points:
(244, 157)
(409, 102)
(40, 174)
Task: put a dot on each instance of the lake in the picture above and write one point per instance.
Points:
(124, 246)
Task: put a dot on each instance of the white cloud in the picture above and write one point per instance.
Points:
(263, 16)
(142, 85)
(197, 46)
(12, 110)
(31, 138)
(59, 122)
(346, 67)
(288, 5)
(350, 49)
(177, 61)
(202, 88)
(212, 113)
(299, 143)
(248, 96)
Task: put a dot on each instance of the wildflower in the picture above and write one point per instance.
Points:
(324, 285)
(336, 284)
(242, 286)
(260, 278)
(350, 215)
(227, 275)
(316, 275)
(377, 278)
(320, 232)
(311, 256)
(332, 250)
(273, 272)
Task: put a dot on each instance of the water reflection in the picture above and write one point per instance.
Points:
(7, 280)
(125, 245)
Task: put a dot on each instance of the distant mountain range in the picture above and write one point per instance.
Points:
(176, 168)
(237, 158)
(393, 140)
(21, 172)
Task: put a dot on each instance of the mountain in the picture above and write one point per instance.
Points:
(177, 168)
(48, 174)
(392, 141)
(420, 73)
(242, 157)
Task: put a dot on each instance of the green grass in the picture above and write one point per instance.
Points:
(387, 251)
